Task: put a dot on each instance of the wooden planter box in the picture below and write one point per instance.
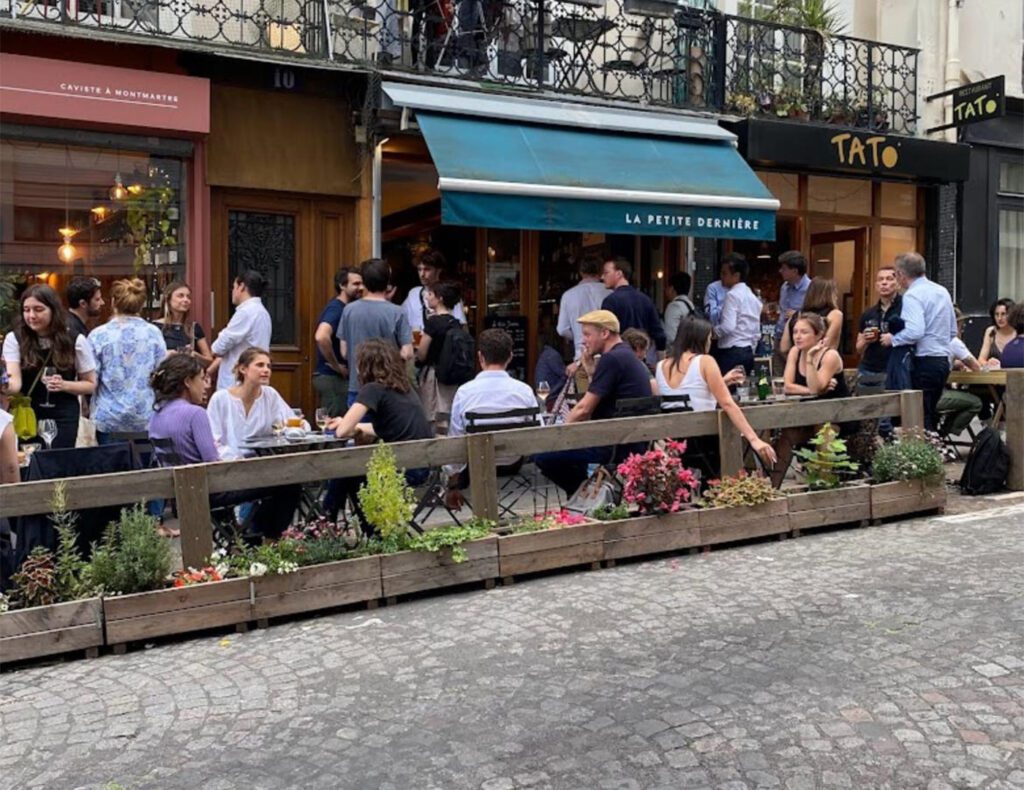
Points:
(316, 587)
(562, 547)
(177, 610)
(907, 496)
(48, 630)
(414, 571)
(728, 524)
(636, 537)
(843, 505)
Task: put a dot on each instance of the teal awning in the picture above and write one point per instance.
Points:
(606, 177)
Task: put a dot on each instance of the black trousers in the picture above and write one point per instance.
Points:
(728, 358)
(929, 375)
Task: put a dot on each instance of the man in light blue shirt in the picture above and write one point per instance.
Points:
(739, 326)
(793, 270)
(929, 325)
(491, 392)
(249, 327)
(714, 299)
(584, 297)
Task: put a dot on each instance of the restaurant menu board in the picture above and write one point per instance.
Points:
(517, 327)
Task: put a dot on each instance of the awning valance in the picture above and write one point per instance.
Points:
(509, 173)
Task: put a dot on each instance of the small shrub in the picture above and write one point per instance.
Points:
(826, 460)
(912, 455)
(611, 512)
(35, 583)
(132, 558)
(452, 537)
(70, 567)
(321, 541)
(387, 500)
(742, 490)
(282, 556)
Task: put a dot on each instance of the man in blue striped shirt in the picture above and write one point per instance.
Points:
(929, 326)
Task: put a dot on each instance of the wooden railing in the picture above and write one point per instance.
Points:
(191, 485)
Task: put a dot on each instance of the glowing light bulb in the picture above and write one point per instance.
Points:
(118, 192)
(135, 189)
(67, 252)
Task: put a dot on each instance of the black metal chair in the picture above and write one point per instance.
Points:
(513, 481)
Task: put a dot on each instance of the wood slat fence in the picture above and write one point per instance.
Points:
(191, 485)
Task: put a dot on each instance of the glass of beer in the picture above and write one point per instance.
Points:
(295, 420)
(417, 335)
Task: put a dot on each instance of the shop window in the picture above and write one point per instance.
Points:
(895, 241)
(266, 242)
(1011, 178)
(839, 195)
(899, 201)
(71, 211)
(1011, 253)
(503, 284)
(785, 187)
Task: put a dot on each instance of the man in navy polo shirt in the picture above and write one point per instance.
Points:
(618, 375)
(330, 377)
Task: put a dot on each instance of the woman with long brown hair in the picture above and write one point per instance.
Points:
(394, 411)
(181, 333)
(45, 363)
(822, 299)
(127, 349)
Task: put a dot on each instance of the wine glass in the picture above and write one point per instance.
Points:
(321, 418)
(48, 373)
(543, 390)
(277, 426)
(48, 431)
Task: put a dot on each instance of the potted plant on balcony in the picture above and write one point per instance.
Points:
(907, 475)
(791, 103)
(830, 497)
(742, 104)
(52, 607)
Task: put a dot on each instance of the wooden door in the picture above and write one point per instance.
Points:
(296, 243)
(827, 251)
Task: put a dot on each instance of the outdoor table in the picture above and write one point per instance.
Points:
(261, 446)
(994, 380)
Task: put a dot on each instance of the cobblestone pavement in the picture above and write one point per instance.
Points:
(885, 657)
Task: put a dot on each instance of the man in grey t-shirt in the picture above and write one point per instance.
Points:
(372, 317)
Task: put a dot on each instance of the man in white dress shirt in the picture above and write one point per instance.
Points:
(584, 297)
(430, 268)
(739, 327)
(492, 391)
(249, 327)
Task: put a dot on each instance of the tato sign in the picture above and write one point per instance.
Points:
(64, 89)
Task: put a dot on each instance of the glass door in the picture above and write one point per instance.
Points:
(842, 256)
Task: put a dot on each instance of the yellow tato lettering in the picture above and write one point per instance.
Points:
(872, 143)
(857, 151)
(838, 141)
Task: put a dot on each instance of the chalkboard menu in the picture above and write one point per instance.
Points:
(517, 327)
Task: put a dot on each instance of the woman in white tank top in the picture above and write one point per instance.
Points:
(690, 370)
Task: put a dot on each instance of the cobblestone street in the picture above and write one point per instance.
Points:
(883, 657)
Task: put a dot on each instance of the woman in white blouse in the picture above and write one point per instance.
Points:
(250, 408)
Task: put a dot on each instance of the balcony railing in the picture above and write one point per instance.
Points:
(653, 52)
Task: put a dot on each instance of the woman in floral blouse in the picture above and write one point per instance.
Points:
(127, 350)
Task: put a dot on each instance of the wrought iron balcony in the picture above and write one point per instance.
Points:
(653, 52)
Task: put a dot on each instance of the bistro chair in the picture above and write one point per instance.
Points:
(513, 482)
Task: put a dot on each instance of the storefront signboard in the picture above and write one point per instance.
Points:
(85, 92)
(979, 101)
(803, 146)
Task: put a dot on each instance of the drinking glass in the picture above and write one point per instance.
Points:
(295, 421)
(543, 390)
(778, 387)
(321, 418)
(743, 392)
(277, 426)
(48, 431)
(48, 373)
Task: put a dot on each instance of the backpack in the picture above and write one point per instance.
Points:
(988, 465)
(456, 364)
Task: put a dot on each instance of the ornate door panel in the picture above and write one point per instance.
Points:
(295, 244)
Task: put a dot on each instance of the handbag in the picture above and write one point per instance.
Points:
(599, 490)
(86, 432)
(25, 423)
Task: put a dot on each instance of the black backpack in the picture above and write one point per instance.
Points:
(456, 364)
(988, 465)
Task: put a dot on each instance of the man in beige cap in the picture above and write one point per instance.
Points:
(619, 374)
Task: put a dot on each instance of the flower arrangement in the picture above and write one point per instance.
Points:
(826, 460)
(553, 519)
(911, 455)
(657, 481)
(190, 576)
(611, 512)
(739, 491)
